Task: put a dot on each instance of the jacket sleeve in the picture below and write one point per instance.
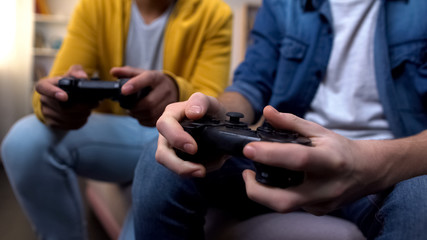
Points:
(255, 76)
(213, 64)
(200, 52)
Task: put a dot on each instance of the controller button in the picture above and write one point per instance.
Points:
(235, 117)
(234, 121)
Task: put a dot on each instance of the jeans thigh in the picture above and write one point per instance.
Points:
(106, 148)
(399, 212)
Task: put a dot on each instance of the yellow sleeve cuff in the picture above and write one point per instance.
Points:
(185, 89)
(37, 107)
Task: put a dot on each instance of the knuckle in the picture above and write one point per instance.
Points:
(338, 190)
(340, 164)
(302, 161)
(149, 102)
(170, 107)
(282, 206)
(181, 172)
(149, 76)
(292, 117)
(159, 155)
(127, 68)
(160, 123)
(40, 85)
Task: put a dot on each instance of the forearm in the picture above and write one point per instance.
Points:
(235, 102)
(411, 155)
(400, 159)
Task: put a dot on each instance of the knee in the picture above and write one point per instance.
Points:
(149, 178)
(415, 188)
(410, 196)
(157, 189)
(146, 180)
(21, 146)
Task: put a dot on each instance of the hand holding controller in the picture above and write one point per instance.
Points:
(82, 90)
(217, 138)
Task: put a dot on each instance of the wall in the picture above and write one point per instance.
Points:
(239, 24)
(15, 61)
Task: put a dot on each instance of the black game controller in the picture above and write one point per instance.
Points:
(83, 91)
(218, 138)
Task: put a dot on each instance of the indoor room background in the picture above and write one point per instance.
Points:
(29, 39)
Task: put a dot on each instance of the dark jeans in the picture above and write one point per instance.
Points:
(167, 206)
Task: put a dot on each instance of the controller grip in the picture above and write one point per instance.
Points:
(129, 101)
(277, 177)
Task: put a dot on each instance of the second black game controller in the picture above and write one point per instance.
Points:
(84, 91)
(216, 138)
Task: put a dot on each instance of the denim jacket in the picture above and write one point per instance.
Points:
(292, 42)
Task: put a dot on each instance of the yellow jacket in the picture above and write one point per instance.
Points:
(197, 45)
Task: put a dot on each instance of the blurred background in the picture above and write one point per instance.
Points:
(31, 33)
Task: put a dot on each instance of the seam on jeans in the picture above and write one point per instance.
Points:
(62, 165)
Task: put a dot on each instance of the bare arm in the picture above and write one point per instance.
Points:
(407, 157)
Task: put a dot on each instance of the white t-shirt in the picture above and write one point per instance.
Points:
(347, 100)
(144, 47)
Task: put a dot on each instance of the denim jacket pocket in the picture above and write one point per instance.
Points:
(293, 49)
(409, 70)
(292, 55)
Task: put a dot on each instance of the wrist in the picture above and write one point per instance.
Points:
(396, 160)
(173, 83)
(379, 161)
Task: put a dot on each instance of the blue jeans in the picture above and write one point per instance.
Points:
(397, 213)
(43, 166)
(167, 206)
